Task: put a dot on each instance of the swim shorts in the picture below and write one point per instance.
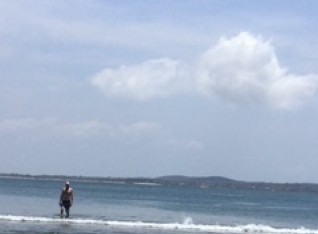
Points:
(66, 204)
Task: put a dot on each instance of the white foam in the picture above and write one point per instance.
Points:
(186, 226)
(147, 184)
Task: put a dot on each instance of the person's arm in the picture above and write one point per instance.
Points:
(72, 192)
(60, 202)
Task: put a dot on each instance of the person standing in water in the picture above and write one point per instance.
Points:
(66, 199)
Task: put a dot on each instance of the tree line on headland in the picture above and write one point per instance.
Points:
(211, 182)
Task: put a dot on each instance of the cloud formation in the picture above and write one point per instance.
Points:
(245, 69)
(240, 70)
(151, 79)
(137, 132)
(52, 127)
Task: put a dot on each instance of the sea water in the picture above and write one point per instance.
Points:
(31, 206)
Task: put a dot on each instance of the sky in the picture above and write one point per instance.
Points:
(150, 88)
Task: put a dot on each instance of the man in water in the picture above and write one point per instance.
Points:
(66, 199)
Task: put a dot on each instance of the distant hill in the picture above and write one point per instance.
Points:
(209, 182)
(218, 182)
(196, 180)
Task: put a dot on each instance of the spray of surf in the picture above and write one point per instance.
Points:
(187, 225)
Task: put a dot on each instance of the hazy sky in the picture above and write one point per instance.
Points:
(151, 88)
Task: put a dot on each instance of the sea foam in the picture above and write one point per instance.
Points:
(186, 226)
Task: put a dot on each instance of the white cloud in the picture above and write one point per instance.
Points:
(138, 129)
(292, 91)
(245, 69)
(240, 70)
(186, 144)
(28, 130)
(54, 128)
(151, 79)
(15, 126)
(85, 129)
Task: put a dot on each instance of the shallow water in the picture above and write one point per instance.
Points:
(31, 206)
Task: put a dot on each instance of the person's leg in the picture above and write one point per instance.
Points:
(67, 208)
(62, 211)
(67, 211)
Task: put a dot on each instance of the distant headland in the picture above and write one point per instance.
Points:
(210, 182)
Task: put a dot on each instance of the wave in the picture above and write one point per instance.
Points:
(186, 226)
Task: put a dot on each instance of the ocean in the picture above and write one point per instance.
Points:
(31, 206)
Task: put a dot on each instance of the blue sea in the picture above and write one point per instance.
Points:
(31, 206)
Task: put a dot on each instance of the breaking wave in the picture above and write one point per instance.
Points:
(188, 225)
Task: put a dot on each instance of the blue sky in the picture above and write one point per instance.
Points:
(150, 88)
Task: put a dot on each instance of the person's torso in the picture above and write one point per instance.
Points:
(67, 194)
